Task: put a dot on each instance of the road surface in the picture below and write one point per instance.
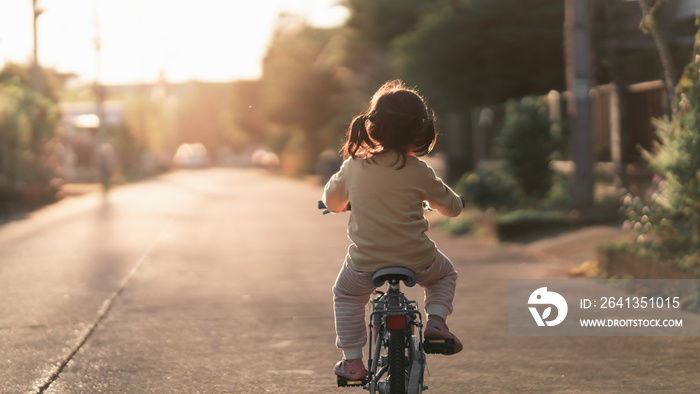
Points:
(218, 281)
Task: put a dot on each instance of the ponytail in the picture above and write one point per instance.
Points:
(358, 143)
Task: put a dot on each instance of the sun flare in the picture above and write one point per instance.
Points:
(209, 40)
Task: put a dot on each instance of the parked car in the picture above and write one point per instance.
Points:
(191, 156)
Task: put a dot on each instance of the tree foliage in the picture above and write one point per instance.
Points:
(670, 220)
(676, 157)
(526, 145)
(295, 86)
(245, 121)
(379, 22)
(363, 43)
(299, 91)
(477, 52)
(27, 158)
(199, 115)
(457, 52)
(53, 81)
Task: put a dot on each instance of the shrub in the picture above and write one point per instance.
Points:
(30, 168)
(489, 188)
(466, 224)
(670, 219)
(526, 145)
(524, 222)
(27, 124)
(559, 195)
(676, 158)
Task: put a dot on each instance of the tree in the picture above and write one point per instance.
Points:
(677, 158)
(373, 25)
(28, 168)
(298, 91)
(360, 50)
(669, 222)
(483, 51)
(379, 22)
(200, 115)
(650, 26)
(245, 121)
(52, 81)
(526, 145)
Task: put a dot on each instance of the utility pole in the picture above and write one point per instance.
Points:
(577, 49)
(37, 79)
(103, 166)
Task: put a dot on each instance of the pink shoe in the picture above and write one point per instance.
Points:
(353, 370)
(439, 340)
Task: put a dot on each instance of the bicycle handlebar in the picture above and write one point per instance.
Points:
(321, 205)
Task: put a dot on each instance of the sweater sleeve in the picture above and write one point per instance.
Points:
(439, 195)
(335, 194)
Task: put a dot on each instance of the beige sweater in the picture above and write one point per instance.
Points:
(386, 225)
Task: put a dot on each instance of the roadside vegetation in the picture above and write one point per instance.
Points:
(523, 194)
(666, 219)
(30, 173)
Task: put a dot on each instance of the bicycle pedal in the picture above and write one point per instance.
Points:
(345, 382)
(439, 345)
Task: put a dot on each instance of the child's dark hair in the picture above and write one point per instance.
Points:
(397, 119)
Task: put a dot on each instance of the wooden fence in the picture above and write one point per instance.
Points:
(621, 125)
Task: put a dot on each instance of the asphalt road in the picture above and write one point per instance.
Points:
(218, 281)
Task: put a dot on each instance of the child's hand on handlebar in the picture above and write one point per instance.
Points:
(322, 206)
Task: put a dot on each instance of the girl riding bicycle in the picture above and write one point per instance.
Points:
(385, 183)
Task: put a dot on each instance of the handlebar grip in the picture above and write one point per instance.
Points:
(321, 205)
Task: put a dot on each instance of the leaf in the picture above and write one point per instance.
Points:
(547, 312)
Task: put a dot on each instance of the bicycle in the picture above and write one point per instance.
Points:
(397, 360)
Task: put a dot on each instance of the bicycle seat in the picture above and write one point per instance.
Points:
(398, 273)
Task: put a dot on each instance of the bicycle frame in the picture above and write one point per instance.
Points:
(393, 314)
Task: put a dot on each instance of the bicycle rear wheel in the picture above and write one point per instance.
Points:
(397, 361)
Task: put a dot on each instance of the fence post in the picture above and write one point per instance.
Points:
(577, 51)
(554, 105)
(483, 122)
(457, 159)
(616, 142)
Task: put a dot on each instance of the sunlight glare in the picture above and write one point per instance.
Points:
(208, 40)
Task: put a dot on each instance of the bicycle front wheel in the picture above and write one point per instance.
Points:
(397, 361)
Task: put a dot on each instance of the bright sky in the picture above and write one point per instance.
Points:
(207, 40)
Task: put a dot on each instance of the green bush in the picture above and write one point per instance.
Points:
(489, 188)
(670, 219)
(559, 195)
(677, 157)
(526, 145)
(466, 224)
(27, 124)
(526, 222)
(29, 168)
